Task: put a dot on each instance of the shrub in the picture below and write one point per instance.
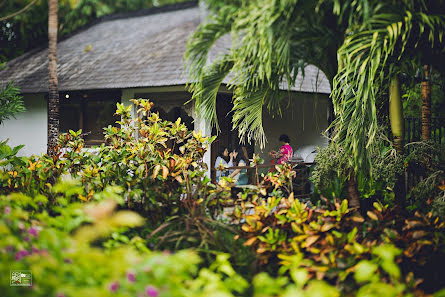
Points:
(60, 251)
(330, 242)
(10, 102)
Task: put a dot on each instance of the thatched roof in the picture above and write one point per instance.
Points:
(141, 49)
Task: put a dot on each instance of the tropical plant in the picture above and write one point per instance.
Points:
(10, 102)
(387, 166)
(336, 244)
(58, 246)
(274, 40)
(155, 161)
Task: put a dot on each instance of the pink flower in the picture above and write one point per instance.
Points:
(34, 250)
(20, 254)
(151, 291)
(7, 210)
(131, 277)
(114, 286)
(26, 238)
(60, 295)
(21, 226)
(33, 231)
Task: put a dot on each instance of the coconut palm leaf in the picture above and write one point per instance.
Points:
(204, 91)
(272, 42)
(369, 56)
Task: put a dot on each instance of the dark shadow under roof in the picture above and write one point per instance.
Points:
(143, 49)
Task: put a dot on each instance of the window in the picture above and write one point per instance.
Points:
(89, 111)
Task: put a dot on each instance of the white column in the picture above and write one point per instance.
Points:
(127, 95)
(204, 127)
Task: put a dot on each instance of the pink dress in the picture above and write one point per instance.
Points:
(287, 152)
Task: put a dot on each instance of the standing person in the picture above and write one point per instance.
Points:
(285, 153)
(239, 175)
(224, 159)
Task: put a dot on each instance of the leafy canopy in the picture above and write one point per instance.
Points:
(10, 102)
(358, 44)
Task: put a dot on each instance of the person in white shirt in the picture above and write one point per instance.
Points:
(224, 159)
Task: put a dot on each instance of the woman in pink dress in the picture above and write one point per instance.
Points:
(285, 153)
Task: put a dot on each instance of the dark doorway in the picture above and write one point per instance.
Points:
(226, 137)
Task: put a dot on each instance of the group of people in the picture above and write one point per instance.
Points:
(228, 158)
(231, 158)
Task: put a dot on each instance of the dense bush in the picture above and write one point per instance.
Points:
(329, 176)
(60, 249)
(154, 161)
(405, 254)
(10, 102)
(426, 161)
(87, 222)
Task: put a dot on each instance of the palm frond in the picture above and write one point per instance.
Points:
(200, 43)
(367, 58)
(204, 91)
(248, 113)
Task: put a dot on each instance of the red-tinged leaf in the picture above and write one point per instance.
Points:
(418, 234)
(250, 241)
(327, 227)
(156, 171)
(164, 172)
(311, 240)
(372, 215)
(412, 224)
(261, 250)
(172, 163)
(246, 228)
(357, 218)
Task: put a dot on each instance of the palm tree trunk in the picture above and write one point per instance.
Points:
(352, 191)
(397, 129)
(426, 105)
(53, 96)
(396, 114)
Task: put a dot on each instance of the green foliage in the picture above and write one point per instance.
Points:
(272, 42)
(10, 102)
(379, 44)
(412, 98)
(333, 243)
(85, 221)
(65, 262)
(155, 169)
(332, 165)
(427, 159)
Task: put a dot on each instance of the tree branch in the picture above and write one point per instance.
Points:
(18, 12)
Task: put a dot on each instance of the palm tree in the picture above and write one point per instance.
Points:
(273, 40)
(426, 104)
(53, 95)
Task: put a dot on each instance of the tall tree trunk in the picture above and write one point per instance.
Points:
(53, 96)
(426, 105)
(397, 129)
(352, 191)
(396, 114)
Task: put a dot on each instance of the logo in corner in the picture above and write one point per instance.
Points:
(21, 278)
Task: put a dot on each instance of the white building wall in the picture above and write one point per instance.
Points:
(28, 128)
